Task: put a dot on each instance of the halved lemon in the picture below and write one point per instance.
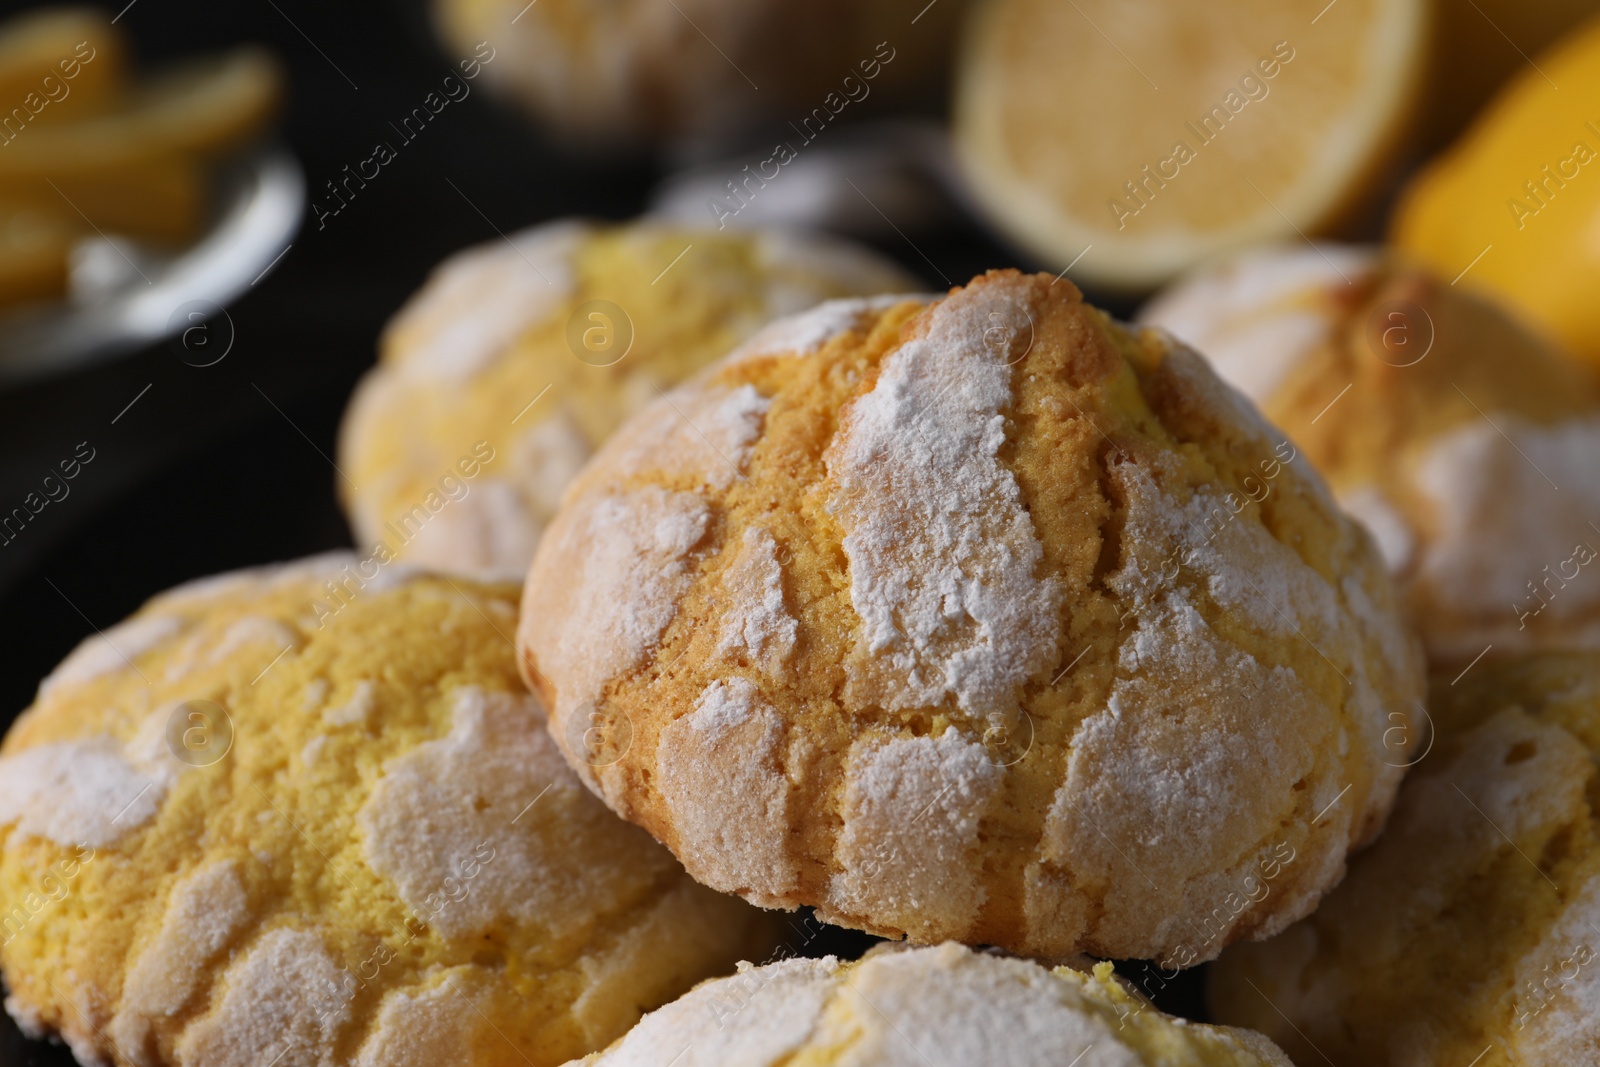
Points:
(1147, 135)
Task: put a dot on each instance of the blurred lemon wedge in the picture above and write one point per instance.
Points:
(1147, 135)
(1514, 206)
(59, 64)
(1479, 45)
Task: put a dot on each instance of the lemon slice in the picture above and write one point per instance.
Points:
(140, 168)
(1147, 135)
(56, 64)
(163, 198)
(34, 251)
(199, 108)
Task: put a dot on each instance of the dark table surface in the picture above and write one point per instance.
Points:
(226, 466)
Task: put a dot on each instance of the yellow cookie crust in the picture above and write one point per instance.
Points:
(364, 850)
(985, 620)
(1462, 439)
(502, 375)
(925, 1007)
(1470, 933)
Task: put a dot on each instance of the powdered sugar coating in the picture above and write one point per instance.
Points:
(635, 547)
(479, 533)
(804, 333)
(113, 650)
(487, 808)
(547, 456)
(699, 433)
(280, 999)
(204, 913)
(421, 1028)
(91, 792)
(1511, 502)
(1163, 789)
(912, 810)
(1035, 1021)
(783, 251)
(200, 593)
(249, 630)
(28, 1019)
(722, 777)
(1462, 439)
(353, 712)
(478, 301)
(1256, 316)
(1368, 506)
(783, 1000)
(1566, 1027)
(1240, 565)
(757, 626)
(479, 379)
(942, 554)
(932, 1007)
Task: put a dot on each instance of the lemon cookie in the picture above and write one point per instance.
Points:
(985, 619)
(309, 815)
(1470, 933)
(518, 357)
(608, 73)
(925, 1007)
(1463, 442)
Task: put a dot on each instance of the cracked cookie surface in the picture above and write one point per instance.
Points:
(926, 1007)
(1470, 932)
(980, 619)
(501, 376)
(1461, 438)
(310, 815)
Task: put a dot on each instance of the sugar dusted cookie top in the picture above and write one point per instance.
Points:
(259, 819)
(981, 619)
(609, 74)
(927, 1007)
(1471, 930)
(1464, 441)
(518, 357)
